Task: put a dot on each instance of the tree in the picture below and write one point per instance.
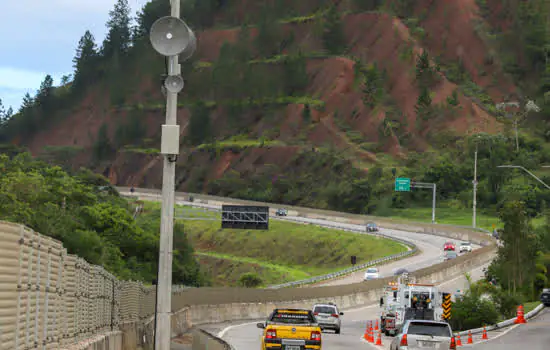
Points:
(296, 78)
(268, 40)
(372, 85)
(102, 146)
(423, 105)
(45, 98)
(5, 115)
(119, 34)
(200, 128)
(306, 113)
(425, 72)
(515, 267)
(333, 31)
(84, 62)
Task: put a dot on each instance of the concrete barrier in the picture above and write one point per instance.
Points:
(202, 340)
(262, 302)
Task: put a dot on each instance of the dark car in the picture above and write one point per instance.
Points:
(281, 212)
(372, 227)
(400, 271)
(545, 297)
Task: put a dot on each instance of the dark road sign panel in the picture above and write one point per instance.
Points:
(447, 304)
(249, 217)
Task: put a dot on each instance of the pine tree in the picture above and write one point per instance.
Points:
(423, 105)
(295, 74)
(200, 129)
(268, 40)
(84, 61)
(333, 32)
(119, 34)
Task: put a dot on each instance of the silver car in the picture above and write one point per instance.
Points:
(424, 334)
(328, 316)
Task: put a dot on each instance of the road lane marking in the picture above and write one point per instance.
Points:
(223, 331)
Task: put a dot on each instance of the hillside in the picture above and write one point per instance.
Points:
(312, 102)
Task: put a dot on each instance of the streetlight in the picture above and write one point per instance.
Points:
(530, 106)
(528, 172)
(170, 37)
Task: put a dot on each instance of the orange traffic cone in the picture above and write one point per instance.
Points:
(458, 341)
(484, 336)
(379, 340)
(520, 318)
(366, 335)
(376, 326)
(470, 340)
(371, 334)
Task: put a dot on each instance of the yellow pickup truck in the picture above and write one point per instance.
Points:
(291, 329)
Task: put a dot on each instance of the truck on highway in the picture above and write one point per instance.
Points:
(406, 300)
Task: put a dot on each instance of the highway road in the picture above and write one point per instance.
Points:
(431, 247)
(245, 336)
(533, 335)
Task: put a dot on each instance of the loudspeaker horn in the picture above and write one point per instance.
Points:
(174, 83)
(170, 36)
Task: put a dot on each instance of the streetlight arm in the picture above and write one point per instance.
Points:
(535, 176)
(528, 172)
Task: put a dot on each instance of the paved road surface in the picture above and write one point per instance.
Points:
(247, 337)
(534, 335)
(430, 246)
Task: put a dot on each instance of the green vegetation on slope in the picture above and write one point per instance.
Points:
(312, 249)
(89, 217)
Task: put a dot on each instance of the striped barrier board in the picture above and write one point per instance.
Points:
(447, 306)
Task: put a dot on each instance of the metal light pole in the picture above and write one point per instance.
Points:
(474, 204)
(528, 172)
(170, 37)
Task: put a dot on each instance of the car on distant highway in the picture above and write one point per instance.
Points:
(449, 254)
(291, 329)
(372, 274)
(281, 212)
(545, 297)
(328, 316)
(465, 247)
(424, 334)
(372, 227)
(449, 246)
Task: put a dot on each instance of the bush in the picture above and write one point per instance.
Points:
(472, 312)
(250, 280)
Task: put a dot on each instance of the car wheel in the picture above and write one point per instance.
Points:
(547, 304)
(387, 333)
(337, 331)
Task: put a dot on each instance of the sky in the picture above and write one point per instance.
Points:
(40, 37)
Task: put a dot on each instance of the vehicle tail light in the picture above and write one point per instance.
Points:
(271, 334)
(315, 335)
(334, 315)
(404, 341)
(453, 344)
(316, 313)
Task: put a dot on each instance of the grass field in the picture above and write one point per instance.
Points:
(452, 216)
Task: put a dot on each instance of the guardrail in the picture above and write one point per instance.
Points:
(503, 324)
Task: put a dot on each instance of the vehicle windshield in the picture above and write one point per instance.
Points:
(292, 317)
(465, 243)
(371, 224)
(372, 270)
(324, 310)
(429, 328)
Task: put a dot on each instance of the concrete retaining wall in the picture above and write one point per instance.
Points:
(369, 293)
(202, 340)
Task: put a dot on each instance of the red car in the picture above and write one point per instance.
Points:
(449, 246)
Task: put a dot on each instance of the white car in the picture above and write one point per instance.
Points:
(372, 274)
(465, 247)
(328, 316)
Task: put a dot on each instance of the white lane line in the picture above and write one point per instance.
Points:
(223, 331)
(495, 337)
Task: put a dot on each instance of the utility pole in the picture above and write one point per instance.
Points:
(474, 206)
(170, 37)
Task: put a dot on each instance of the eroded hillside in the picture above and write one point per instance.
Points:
(301, 99)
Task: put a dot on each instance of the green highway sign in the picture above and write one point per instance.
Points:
(403, 184)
